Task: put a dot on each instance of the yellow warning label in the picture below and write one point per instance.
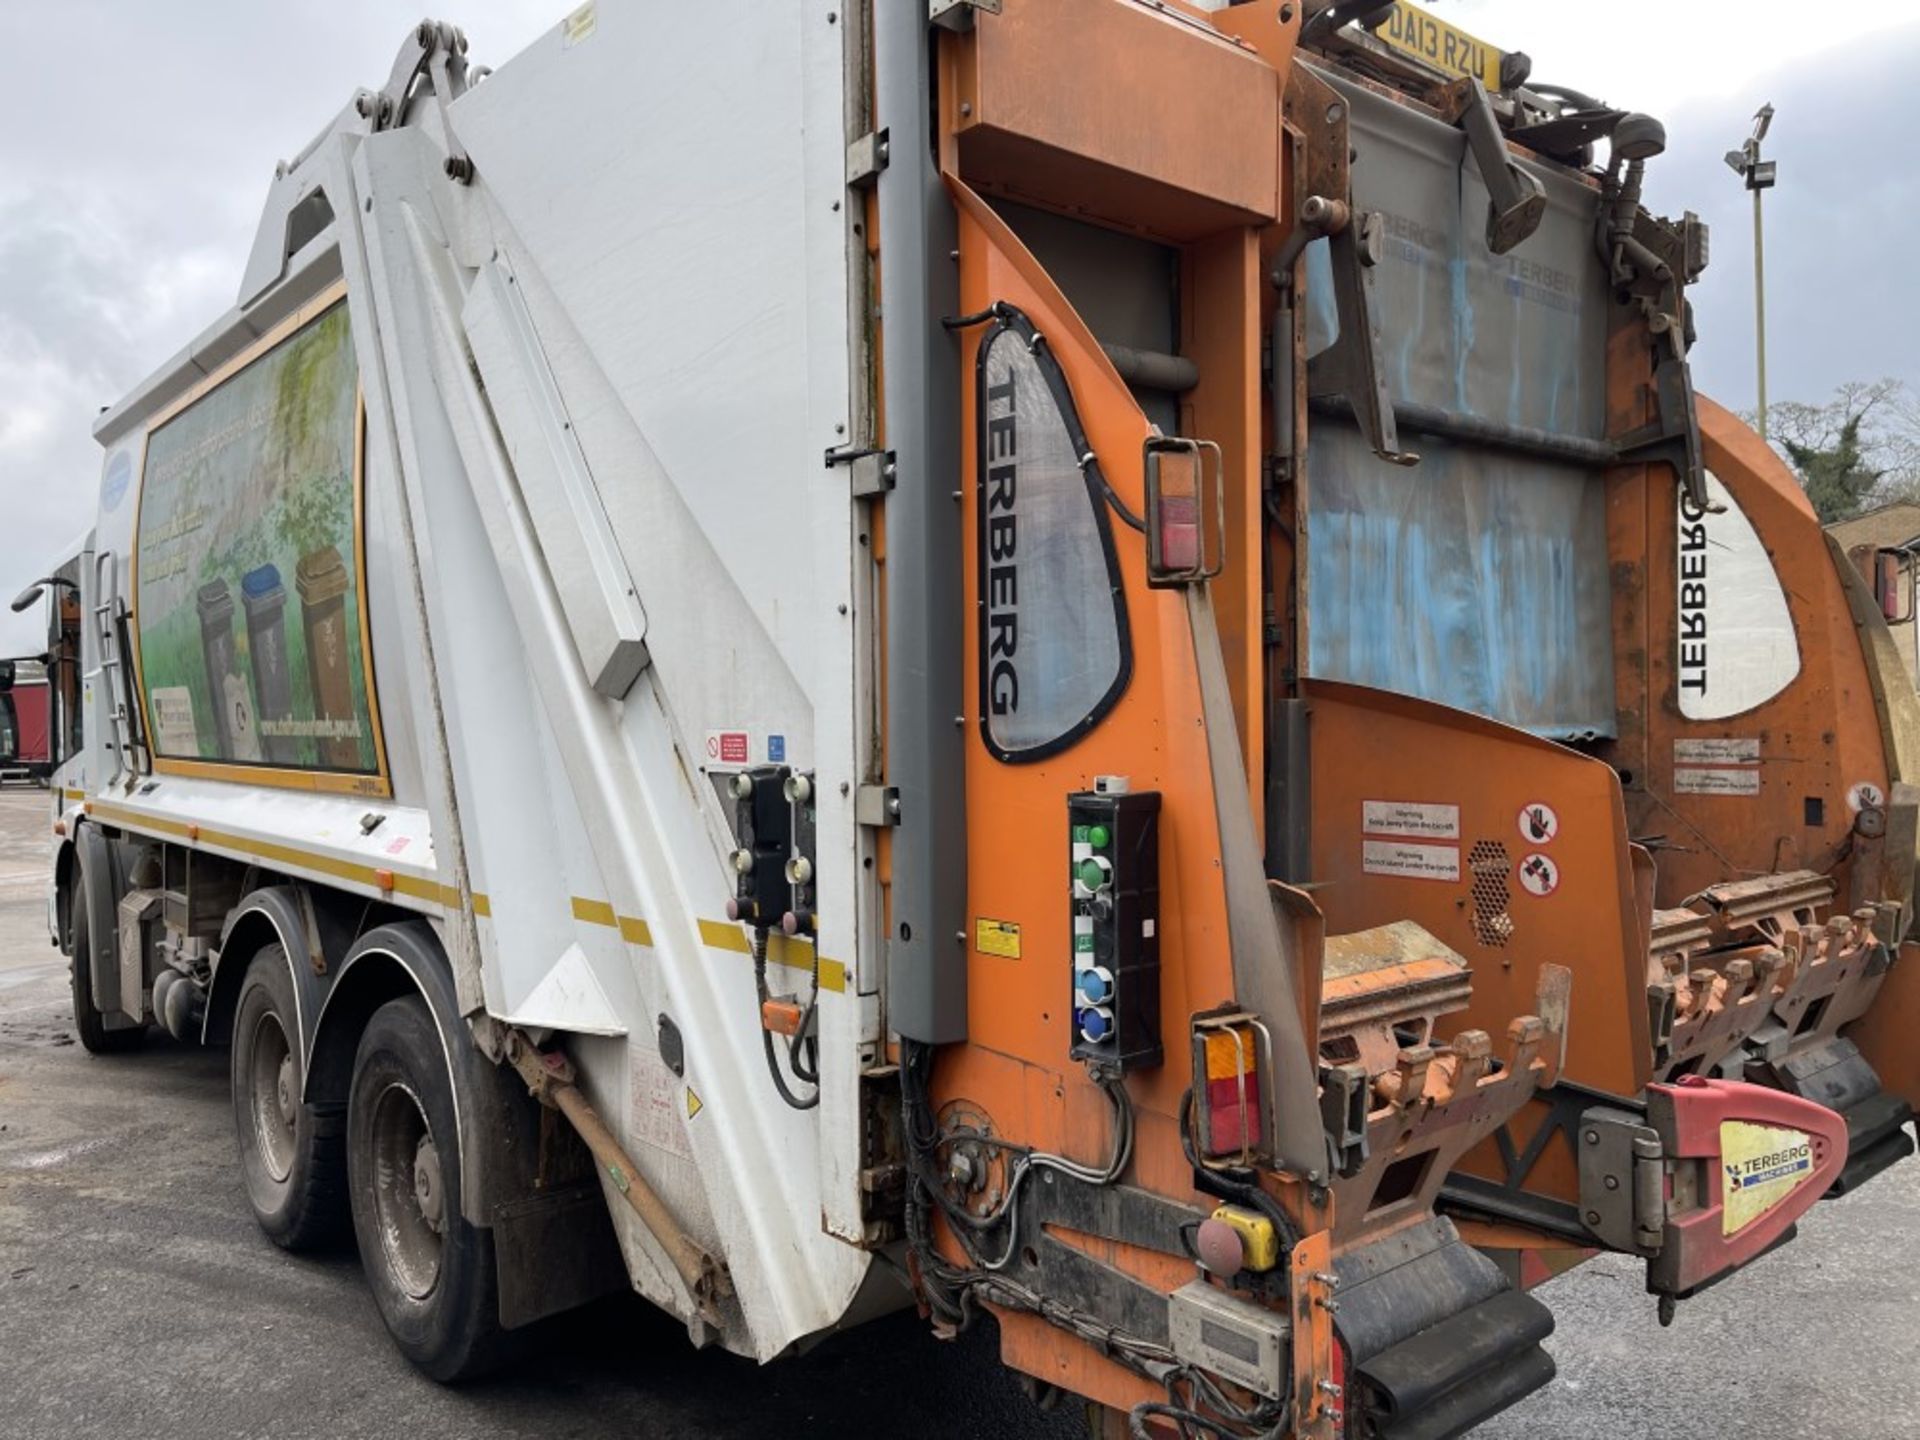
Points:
(694, 1103)
(997, 937)
(1761, 1165)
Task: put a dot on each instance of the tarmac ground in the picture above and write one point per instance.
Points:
(138, 1298)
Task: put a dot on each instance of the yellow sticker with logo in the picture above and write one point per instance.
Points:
(997, 937)
(1761, 1166)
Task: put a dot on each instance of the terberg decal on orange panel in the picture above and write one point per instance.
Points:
(1139, 718)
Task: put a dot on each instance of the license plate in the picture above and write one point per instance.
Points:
(1412, 31)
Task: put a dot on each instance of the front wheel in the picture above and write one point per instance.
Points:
(431, 1271)
(88, 1020)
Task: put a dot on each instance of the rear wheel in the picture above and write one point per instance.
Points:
(293, 1158)
(88, 1020)
(431, 1271)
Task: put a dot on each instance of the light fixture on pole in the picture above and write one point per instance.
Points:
(1759, 176)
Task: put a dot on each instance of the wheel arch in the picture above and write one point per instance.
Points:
(271, 914)
(524, 1174)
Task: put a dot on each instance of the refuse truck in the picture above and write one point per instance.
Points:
(1084, 662)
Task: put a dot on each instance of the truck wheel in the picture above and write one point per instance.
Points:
(88, 1022)
(294, 1159)
(431, 1271)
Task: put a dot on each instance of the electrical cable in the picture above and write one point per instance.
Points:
(759, 946)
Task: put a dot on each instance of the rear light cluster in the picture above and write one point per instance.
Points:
(1227, 1075)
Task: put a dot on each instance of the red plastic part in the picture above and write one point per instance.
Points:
(1697, 1248)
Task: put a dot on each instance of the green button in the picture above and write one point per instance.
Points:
(1098, 837)
(1091, 874)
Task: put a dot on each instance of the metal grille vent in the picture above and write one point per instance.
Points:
(1492, 925)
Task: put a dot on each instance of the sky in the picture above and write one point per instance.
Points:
(132, 168)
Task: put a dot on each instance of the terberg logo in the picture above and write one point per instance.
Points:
(1693, 596)
(1003, 573)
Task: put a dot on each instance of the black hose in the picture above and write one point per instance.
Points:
(766, 1036)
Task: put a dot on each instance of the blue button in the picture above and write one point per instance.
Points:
(1095, 1025)
(1095, 988)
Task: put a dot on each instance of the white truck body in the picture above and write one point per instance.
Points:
(599, 384)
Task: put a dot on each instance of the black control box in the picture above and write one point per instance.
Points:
(1113, 841)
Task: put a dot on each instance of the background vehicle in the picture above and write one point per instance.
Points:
(26, 748)
(855, 621)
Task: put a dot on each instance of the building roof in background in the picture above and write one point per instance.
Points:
(1895, 526)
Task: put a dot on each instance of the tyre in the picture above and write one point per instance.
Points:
(431, 1271)
(88, 1021)
(292, 1157)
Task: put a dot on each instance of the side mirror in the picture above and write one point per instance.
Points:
(29, 596)
(1893, 585)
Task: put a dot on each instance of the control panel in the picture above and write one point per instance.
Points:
(771, 812)
(1114, 842)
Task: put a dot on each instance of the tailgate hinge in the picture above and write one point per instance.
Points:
(876, 805)
(869, 471)
(1623, 1195)
(866, 158)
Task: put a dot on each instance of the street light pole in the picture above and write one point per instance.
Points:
(1759, 176)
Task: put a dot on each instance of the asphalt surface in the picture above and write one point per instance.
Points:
(137, 1297)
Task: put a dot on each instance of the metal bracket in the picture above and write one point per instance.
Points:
(958, 14)
(876, 805)
(866, 158)
(439, 51)
(1623, 1196)
(1350, 367)
(1516, 201)
(869, 471)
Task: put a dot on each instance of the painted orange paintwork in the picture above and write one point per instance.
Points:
(1015, 1066)
(1820, 736)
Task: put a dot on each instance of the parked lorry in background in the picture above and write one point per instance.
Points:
(26, 715)
(1081, 659)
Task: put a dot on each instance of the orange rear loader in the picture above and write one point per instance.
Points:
(1436, 807)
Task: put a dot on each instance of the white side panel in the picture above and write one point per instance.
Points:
(667, 196)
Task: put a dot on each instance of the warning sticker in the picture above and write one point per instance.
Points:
(1538, 875)
(1416, 862)
(1762, 1165)
(1410, 818)
(1539, 823)
(656, 1116)
(728, 747)
(694, 1103)
(1865, 796)
(1716, 766)
(997, 937)
(1716, 751)
(1732, 780)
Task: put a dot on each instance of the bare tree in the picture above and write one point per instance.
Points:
(1874, 425)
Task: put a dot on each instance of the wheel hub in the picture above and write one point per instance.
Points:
(426, 1184)
(409, 1190)
(286, 1092)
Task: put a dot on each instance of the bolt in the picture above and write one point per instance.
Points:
(1613, 1182)
(841, 608)
(966, 107)
(1593, 1137)
(1327, 1387)
(1593, 1217)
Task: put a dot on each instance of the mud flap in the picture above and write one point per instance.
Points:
(1838, 1076)
(1436, 1341)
